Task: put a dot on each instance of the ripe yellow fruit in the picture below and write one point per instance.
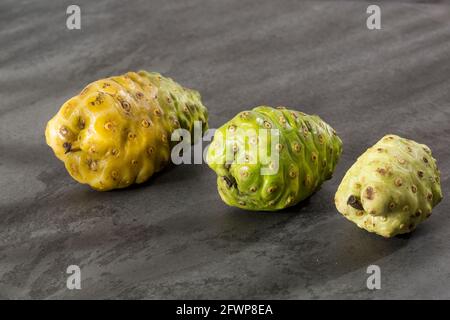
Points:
(117, 130)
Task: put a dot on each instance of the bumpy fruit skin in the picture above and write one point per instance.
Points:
(117, 130)
(391, 188)
(308, 149)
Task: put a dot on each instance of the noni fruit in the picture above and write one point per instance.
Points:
(391, 188)
(117, 131)
(272, 158)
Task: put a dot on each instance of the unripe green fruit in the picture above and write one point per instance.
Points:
(259, 171)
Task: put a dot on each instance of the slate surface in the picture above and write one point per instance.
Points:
(173, 237)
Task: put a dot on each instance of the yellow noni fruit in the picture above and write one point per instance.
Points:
(117, 130)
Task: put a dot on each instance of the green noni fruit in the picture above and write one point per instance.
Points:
(272, 158)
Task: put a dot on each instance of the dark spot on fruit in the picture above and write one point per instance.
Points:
(228, 181)
(398, 182)
(355, 202)
(370, 193)
(67, 147)
(139, 95)
(125, 105)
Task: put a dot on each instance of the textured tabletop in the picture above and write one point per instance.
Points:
(173, 237)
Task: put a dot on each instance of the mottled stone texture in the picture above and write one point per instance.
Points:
(173, 237)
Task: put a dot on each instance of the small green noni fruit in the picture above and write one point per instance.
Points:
(272, 158)
(391, 188)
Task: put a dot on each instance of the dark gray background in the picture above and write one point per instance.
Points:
(173, 237)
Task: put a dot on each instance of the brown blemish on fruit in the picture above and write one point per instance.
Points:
(67, 147)
(370, 193)
(392, 205)
(272, 189)
(145, 123)
(413, 188)
(420, 174)
(297, 147)
(305, 131)
(114, 174)
(125, 105)
(139, 95)
(228, 181)
(398, 182)
(430, 196)
(232, 128)
(314, 157)
(355, 202)
(382, 171)
(320, 138)
(134, 162)
(267, 125)
(109, 125)
(244, 115)
(425, 159)
(157, 112)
